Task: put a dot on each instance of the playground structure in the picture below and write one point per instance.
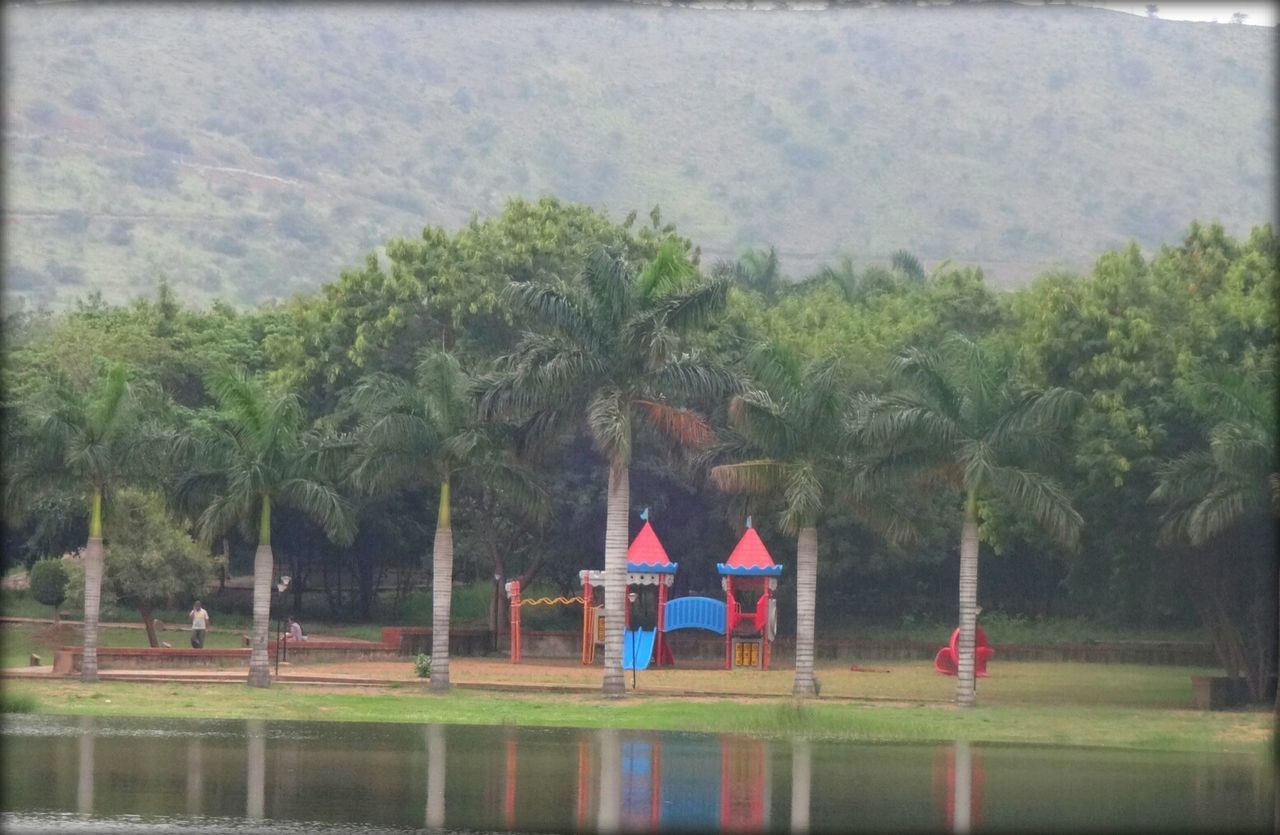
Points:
(748, 634)
(946, 661)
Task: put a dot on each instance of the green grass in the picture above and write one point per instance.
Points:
(18, 702)
(1102, 727)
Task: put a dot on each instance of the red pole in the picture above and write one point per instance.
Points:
(588, 623)
(766, 644)
(662, 618)
(728, 623)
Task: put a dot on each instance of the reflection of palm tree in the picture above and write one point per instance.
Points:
(84, 786)
(195, 776)
(610, 810)
(256, 770)
(436, 758)
(801, 779)
(963, 809)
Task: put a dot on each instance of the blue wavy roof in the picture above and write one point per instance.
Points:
(749, 571)
(652, 568)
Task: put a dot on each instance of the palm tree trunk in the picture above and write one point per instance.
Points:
(965, 693)
(263, 568)
(92, 592)
(806, 595)
(441, 593)
(615, 577)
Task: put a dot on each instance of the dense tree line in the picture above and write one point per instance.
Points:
(1102, 444)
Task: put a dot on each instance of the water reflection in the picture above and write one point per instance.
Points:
(84, 785)
(801, 769)
(435, 776)
(255, 770)
(195, 776)
(332, 776)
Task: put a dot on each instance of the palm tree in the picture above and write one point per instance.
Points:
(609, 352)
(1212, 492)
(797, 429)
(427, 432)
(80, 441)
(254, 454)
(962, 421)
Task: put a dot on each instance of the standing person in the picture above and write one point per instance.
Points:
(199, 622)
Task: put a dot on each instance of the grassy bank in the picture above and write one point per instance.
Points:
(1104, 727)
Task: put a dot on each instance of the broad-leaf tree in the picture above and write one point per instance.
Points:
(151, 560)
(607, 351)
(81, 440)
(962, 421)
(253, 454)
(797, 433)
(427, 433)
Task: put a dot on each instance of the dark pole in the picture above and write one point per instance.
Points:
(277, 635)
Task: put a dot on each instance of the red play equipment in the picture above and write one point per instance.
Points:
(748, 635)
(946, 659)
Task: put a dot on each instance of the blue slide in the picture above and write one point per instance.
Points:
(641, 640)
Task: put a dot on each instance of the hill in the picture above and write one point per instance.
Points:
(251, 151)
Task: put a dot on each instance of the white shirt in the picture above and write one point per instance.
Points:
(199, 617)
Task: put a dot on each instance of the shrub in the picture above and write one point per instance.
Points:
(422, 665)
(49, 583)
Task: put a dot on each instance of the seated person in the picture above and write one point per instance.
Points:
(295, 630)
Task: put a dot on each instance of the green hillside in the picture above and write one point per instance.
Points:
(252, 152)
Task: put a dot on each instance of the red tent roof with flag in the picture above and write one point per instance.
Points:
(647, 554)
(750, 557)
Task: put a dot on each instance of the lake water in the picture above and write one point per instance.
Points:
(152, 775)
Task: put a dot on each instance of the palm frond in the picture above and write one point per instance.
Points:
(682, 425)
(760, 477)
(552, 309)
(609, 420)
(609, 285)
(322, 504)
(1040, 498)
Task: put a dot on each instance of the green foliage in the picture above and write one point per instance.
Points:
(48, 580)
(151, 560)
(422, 665)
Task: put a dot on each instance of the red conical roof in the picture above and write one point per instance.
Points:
(646, 551)
(749, 553)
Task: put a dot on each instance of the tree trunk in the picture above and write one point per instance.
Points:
(806, 596)
(263, 568)
(149, 623)
(615, 580)
(92, 592)
(441, 593)
(965, 692)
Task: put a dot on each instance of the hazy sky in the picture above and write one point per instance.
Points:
(1259, 14)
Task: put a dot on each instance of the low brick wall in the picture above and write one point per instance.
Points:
(706, 646)
(411, 640)
(67, 661)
